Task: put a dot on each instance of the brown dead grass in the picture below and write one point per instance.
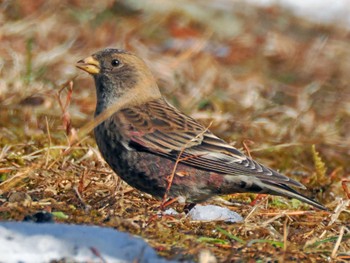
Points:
(282, 86)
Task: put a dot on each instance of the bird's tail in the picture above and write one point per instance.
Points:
(274, 188)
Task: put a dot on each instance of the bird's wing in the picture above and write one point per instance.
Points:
(159, 128)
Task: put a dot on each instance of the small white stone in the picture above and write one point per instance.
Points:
(170, 212)
(213, 213)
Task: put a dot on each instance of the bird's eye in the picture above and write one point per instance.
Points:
(115, 63)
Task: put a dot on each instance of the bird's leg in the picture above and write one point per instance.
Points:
(188, 207)
(167, 202)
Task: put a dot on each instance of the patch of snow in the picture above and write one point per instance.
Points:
(30, 242)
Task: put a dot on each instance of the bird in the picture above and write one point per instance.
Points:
(146, 140)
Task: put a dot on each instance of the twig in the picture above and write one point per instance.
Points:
(289, 213)
(246, 147)
(81, 187)
(252, 211)
(337, 244)
(285, 234)
(342, 206)
(86, 206)
(344, 183)
(49, 146)
(264, 224)
(67, 124)
(13, 181)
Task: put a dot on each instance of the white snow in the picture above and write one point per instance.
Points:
(29, 242)
(43, 242)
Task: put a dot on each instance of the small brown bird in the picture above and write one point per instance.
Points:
(145, 135)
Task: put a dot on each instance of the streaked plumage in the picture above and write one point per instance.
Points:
(145, 135)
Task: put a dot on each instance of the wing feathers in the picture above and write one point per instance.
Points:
(162, 129)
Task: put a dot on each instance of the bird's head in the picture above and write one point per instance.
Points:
(120, 75)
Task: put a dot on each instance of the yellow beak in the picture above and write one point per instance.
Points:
(89, 64)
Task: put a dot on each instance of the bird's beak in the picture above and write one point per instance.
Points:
(89, 64)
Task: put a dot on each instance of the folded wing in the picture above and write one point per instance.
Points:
(159, 128)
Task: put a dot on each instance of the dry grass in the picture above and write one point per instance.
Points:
(259, 75)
